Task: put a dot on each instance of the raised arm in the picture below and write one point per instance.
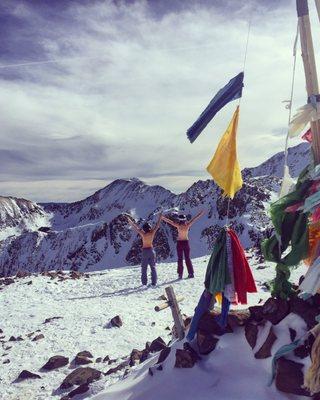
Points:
(158, 223)
(134, 225)
(165, 219)
(196, 217)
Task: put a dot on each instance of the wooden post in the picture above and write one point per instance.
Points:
(309, 69)
(318, 8)
(177, 317)
(166, 304)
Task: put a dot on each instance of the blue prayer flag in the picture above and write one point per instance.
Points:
(232, 91)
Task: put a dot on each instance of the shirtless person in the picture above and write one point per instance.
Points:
(183, 247)
(148, 254)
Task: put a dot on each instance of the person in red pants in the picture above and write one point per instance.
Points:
(183, 248)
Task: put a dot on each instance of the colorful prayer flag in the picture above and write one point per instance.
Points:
(232, 91)
(224, 166)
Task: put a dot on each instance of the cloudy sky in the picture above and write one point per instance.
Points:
(95, 90)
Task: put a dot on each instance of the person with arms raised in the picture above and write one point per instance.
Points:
(183, 248)
(147, 234)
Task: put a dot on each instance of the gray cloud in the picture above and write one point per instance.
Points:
(131, 77)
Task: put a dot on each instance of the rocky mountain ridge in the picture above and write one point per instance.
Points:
(93, 234)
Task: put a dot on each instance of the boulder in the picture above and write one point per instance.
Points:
(84, 353)
(106, 359)
(206, 342)
(22, 274)
(256, 313)
(251, 333)
(27, 375)
(120, 367)
(7, 361)
(265, 349)
(80, 376)
(99, 360)
(305, 310)
(164, 354)
(138, 356)
(79, 390)
(289, 377)
(116, 321)
(238, 318)
(304, 350)
(185, 358)
(82, 360)
(157, 345)
(275, 310)
(38, 337)
(55, 362)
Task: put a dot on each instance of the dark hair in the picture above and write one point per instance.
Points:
(146, 227)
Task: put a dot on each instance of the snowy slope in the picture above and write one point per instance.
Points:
(20, 215)
(87, 305)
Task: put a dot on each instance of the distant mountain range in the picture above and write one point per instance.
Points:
(93, 234)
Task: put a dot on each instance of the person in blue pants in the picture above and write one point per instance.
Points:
(206, 300)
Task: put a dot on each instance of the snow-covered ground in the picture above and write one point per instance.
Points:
(87, 305)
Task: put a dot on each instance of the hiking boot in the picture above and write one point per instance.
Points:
(179, 276)
(190, 276)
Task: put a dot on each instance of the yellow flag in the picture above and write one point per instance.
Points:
(224, 167)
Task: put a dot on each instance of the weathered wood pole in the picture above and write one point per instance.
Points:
(309, 69)
(177, 317)
(166, 304)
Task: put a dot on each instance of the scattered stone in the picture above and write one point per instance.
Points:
(289, 377)
(185, 358)
(238, 318)
(79, 390)
(51, 319)
(7, 361)
(293, 334)
(6, 281)
(38, 337)
(162, 297)
(15, 339)
(256, 313)
(28, 283)
(80, 376)
(206, 343)
(251, 333)
(157, 345)
(164, 354)
(138, 356)
(1, 331)
(120, 367)
(55, 362)
(116, 321)
(22, 274)
(27, 375)
(106, 359)
(153, 324)
(8, 348)
(304, 350)
(85, 353)
(82, 360)
(99, 360)
(167, 328)
(265, 350)
(75, 275)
